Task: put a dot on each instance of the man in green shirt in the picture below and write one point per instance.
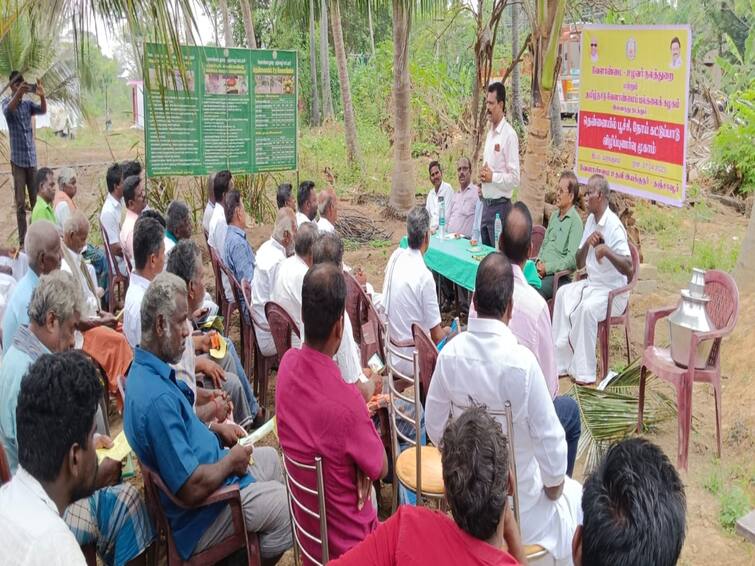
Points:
(45, 182)
(559, 249)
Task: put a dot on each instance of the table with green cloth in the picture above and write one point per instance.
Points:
(454, 260)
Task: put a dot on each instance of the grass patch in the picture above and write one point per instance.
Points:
(706, 255)
(734, 504)
(730, 487)
(653, 219)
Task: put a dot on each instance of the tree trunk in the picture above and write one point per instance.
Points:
(226, 17)
(744, 271)
(349, 124)
(246, 11)
(327, 93)
(534, 163)
(402, 179)
(516, 90)
(315, 116)
(557, 136)
(369, 22)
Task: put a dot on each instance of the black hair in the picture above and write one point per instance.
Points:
(500, 92)
(305, 239)
(130, 184)
(230, 204)
(634, 508)
(305, 187)
(220, 185)
(114, 176)
(573, 184)
(328, 249)
(434, 163)
(177, 215)
(41, 176)
(323, 298)
(154, 214)
(183, 260)
(148, 237)
(494, 286)
(14, 77)
(475, 458)
(131, 167)
(675, 40)
(56, 406)
(516, 237)
(284, 193)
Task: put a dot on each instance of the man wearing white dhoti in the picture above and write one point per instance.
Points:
(486, 365)
(579, 307)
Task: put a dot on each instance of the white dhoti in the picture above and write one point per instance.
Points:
(265, 341)
(579, 308)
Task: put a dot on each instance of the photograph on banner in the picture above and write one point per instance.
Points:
(231, 109)
(632, 123)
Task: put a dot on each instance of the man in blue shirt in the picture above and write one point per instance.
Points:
(167, 436)
(23, 151)
(238, 255)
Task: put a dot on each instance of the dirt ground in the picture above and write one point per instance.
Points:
(706, 541)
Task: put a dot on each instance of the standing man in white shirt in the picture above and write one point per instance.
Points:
(440, 189)
(60, 393)
(604, 251)
(291, 272)
(210, 206)
(306, 200)
(486, 365)
(110, 217)
(269, 257)
(500, 170)
(216, 238)
(327, 207)
(410, 294)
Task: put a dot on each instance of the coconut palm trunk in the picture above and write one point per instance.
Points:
(369, 23)
(546, 32)
(402, 180)
(315, 116)
(516, 89)
(744, 271)
(352, 145)
(226, 19)
(327, 93)
(247, 14)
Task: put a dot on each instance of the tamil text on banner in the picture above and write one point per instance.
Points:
(230, 109)
(632, 125)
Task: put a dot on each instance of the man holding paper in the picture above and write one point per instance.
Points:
(500, 170)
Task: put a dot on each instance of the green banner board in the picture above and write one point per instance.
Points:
(232, 109)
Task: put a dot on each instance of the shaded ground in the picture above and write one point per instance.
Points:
(709, 483)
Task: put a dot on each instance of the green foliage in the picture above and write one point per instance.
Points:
(706, 255)
(653, 219)
(733, 144)
(734, 504)
(254, 195)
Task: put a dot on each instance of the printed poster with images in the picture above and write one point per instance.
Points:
(632, 126)
(232, 109)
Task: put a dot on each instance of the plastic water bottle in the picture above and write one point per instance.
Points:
(442, 217)
(498, 230)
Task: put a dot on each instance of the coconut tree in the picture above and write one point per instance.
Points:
(248, 17)
(226, 21)
(546, 31)
(350, 128)
(315, 115)
(516, 89)
(327, 93)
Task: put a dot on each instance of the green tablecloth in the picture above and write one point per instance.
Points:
(453, 260)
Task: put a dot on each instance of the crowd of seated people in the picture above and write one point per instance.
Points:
(187, 407)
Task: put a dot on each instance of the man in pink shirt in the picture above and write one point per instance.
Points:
(531, 321)
(136, 200)
(319, 414)
(483, 531)
(461, 212)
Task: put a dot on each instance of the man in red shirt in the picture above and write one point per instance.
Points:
(483, 532)
(319, 414)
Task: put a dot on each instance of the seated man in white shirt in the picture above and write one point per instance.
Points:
(269, 257)
(110, 217)
(486, 365)
(409, 294)
(579, 307)
(440, 190)
(291, 272)
(327, 207)
(306, 200)
(60, 393)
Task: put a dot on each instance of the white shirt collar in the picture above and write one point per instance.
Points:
(32, 485)
(114, 201)
(140, 281)
(480, 325)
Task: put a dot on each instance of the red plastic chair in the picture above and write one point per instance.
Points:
(366, 324)
(154, 486)
(281, 326)
(428, 355)
(604, 326)
(538, 235)
(116, 279)
(723, 310)
(218, 268)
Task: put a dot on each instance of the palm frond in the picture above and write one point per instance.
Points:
(610, 415)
